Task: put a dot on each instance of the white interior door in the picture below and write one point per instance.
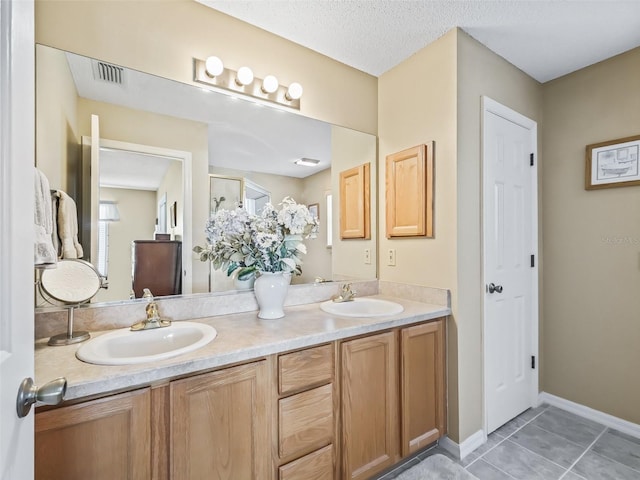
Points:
(17, 140)
(510, 240)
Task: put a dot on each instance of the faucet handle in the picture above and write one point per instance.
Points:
(146, 293)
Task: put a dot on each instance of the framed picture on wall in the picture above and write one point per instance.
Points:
(225, 193)
(613, 163)
(313, 210)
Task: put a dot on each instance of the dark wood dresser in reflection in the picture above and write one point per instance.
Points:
(157, 265)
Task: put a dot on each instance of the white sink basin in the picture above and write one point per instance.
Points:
(362, 307)
(124, 347)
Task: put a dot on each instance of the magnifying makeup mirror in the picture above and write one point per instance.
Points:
(72, 283)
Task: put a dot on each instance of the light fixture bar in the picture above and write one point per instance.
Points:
(307, 162)
(227, 80)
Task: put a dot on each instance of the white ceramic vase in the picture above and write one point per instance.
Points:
(270, 290)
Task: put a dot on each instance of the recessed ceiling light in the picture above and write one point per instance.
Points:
(307, 162)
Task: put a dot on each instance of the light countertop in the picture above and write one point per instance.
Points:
(241, 337)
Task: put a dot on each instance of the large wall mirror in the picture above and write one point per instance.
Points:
(137, 152)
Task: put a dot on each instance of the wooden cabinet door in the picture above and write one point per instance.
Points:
(422, 385)
(369, 405)
(101, 439)
(355, 217)
(219, 425)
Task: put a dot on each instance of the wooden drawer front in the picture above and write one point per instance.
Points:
(315, 466)
(305, 368)
(306, 420)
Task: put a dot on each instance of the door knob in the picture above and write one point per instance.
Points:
(51, 393)
(495, 288)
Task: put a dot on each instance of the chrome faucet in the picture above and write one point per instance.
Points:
(346, 294)
(153, 319)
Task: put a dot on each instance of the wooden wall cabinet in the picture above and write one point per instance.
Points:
(99, 440)
(355, 217)
(409, 192)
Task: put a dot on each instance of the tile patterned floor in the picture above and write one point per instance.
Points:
(547, 443)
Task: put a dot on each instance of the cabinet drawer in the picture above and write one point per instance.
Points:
(315, 466)
(306, 420)
(305, 368)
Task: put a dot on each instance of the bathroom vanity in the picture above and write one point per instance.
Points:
(309, 396)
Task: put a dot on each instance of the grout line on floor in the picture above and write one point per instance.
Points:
(583, 453)
(563, 438)
(616, 461)
(489, 463)
(538, 455)
(503, 438)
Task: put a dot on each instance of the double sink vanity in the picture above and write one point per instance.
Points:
(330, 391)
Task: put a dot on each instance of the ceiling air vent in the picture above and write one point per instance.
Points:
(107, 72)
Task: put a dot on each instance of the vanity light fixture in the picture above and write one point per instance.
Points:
(294, 92)
(270, 84)
(244, 76)
(307, 162)
(214, 66)
(213, 73)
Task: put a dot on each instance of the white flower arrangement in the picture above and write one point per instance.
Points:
(269, 242)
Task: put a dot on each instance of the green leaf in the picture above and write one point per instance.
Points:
(246, 273)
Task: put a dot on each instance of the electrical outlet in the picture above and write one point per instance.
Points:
(367, 256)
(391, 257)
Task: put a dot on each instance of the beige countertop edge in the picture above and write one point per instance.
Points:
(241, 338)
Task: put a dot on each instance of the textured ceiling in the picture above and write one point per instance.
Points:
(544, 38)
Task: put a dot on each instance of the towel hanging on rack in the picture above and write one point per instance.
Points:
(44, 253)
(68, 227)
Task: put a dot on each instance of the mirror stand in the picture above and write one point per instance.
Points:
(70, 337)
(72, 282)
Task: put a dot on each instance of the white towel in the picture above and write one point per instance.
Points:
(43, 253)
(68, 227)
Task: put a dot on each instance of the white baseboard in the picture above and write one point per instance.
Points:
(619, 424)
(466, 447)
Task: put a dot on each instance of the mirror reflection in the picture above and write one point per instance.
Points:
(138, 154)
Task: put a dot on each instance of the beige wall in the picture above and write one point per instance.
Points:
(591, 275)
(417, 104)
(163, 38)
(317, 261)
(137, 221)
(436, 95)
(57, 139)
(349, 149)
(171, 185)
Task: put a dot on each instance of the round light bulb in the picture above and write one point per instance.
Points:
(245, 76)
(213, 66)
(294, 92)
(270, 84)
